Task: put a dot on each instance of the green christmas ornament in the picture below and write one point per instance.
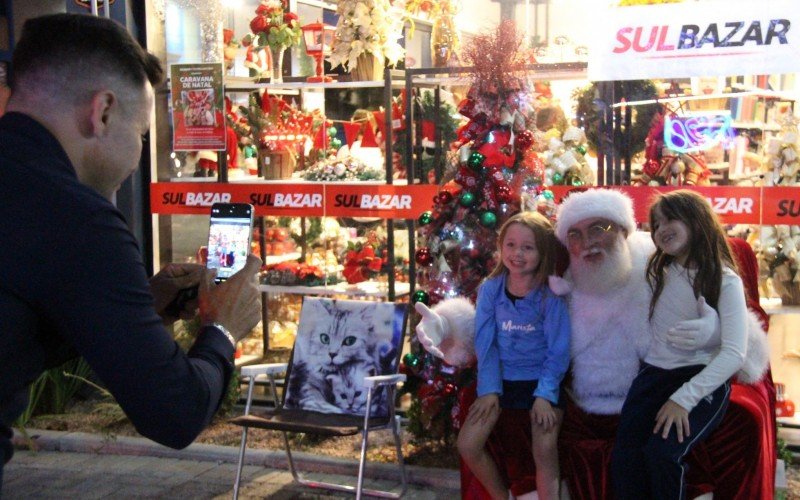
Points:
(336, 143)
(581, 149)
(332, 131)
(467, 199)
(411, 360)
(426, 218)
(475, 160)
(420, 296)
(576, 182)
(558, 178)
(488, 219)
(548, 195)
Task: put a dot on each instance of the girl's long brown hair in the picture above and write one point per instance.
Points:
(709, 252)
(546, 244)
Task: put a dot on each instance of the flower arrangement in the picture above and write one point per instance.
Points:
(292, 273)
(273, 27)
(366, 27)
(342, 169)
(363, 261)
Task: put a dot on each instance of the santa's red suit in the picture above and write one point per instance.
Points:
(610, 334)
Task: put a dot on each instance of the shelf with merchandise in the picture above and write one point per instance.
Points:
(374, 289)
(719, 138)
(289, 87)
(279, 310)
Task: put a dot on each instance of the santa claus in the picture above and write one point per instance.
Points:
(608, 302)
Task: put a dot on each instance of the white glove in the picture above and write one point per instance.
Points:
(692, 334)
(431, 329)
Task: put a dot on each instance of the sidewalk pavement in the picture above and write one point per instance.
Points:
(81, 465)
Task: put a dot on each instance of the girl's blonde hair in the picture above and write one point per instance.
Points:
(546, 244)
(709, 252)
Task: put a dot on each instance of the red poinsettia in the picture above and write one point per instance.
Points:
(361, 264)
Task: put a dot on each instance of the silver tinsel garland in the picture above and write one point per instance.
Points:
(210, 13)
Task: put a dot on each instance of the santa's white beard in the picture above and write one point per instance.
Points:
(605, 274)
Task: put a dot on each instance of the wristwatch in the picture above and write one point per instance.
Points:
(224, 332)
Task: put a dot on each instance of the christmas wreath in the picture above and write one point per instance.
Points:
(626, 142)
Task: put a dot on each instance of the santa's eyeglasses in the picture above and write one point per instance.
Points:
(593, 232)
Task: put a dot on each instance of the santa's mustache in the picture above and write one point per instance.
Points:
(593, 251)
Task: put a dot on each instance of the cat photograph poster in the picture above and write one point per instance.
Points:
(339, 342)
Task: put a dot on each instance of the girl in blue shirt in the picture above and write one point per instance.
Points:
(522, 336)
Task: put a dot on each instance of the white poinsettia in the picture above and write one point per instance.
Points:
(366, 26)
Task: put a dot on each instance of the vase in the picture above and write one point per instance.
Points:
(369, 67)
(277, 65)
(444, 39)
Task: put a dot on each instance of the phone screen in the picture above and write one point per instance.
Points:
(229, 238)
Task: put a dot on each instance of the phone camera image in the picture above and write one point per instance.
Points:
(229, 238)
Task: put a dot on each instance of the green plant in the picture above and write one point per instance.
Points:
(34, 394)
(54, 390)
(232, 394)
(784, 453)
(65, 382)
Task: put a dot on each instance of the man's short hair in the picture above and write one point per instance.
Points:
(71, 48)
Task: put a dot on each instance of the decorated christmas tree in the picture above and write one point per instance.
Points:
(779, 246)
(496, 165)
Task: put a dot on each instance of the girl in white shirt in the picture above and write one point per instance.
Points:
(679, 395)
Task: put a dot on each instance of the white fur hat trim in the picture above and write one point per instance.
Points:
(594, 203)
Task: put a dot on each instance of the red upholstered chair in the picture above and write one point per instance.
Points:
(736, 462)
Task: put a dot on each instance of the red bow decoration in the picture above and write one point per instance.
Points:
(359, 265)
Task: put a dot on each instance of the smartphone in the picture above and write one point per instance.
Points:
(229, 235)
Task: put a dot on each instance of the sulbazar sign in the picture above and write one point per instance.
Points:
(733, 205)
(296, 199)
(385, 201)
(689, 39)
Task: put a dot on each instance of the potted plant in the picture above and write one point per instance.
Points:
(366, 38)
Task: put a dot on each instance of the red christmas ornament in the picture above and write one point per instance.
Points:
(524, 140)
(445, 197)
(504, 194)
(423, 256)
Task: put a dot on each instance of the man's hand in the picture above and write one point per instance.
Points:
(672, 413)
(166, 285)
(430, 330)
(542, 413)
(693, 334)
(236, 302)
(484, 408)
